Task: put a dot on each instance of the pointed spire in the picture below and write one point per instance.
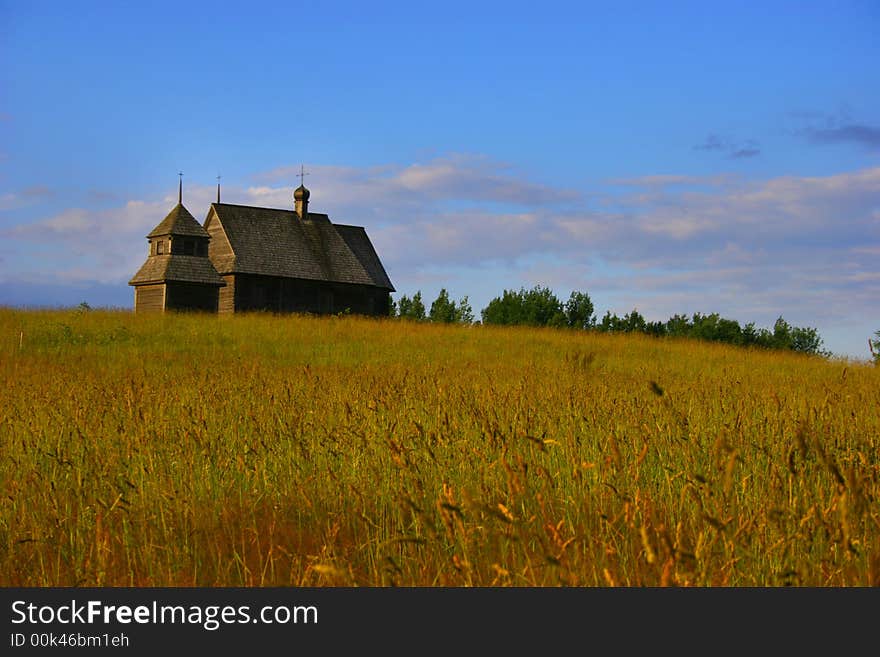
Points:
(218, 188)
(180, 188)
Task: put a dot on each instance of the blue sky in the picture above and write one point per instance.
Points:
(670, 157)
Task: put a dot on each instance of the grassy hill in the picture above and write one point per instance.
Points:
(260, 450)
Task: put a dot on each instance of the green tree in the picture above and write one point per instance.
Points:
(657, 329)
(442, 309)
(610, 323)
(750, 334)
(729, 331)
(629, 323)
(781, 334)
(806, 341)
(716, 328)
(678, 326)
(446, 311)
(535, 307)
(505, 310)
(635, 322)
(874, 346)
(411, 308)
(579, 311)
(464, 314)
(704, 327)
(543, 308)
(756, 337)
(417, 311)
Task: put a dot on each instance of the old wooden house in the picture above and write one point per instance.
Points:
(245, 258)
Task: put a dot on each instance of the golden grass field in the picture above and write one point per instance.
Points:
(187, 450)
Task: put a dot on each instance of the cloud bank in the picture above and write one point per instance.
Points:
(804, 247)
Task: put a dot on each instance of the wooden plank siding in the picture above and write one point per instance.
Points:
(226, 302)
(149, 298)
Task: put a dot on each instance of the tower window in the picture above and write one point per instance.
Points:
(160, 247)
(189, 247)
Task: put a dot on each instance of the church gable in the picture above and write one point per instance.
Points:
(266, 241)
(219, 250)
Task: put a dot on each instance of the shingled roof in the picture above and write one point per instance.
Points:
(274, 242)
(182, 268)
(179, 222)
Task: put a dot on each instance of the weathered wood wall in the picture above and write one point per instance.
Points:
(226, 302)
(219, 246)
(149, 298)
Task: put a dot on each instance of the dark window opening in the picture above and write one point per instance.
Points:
(189, 247)
(160, 247)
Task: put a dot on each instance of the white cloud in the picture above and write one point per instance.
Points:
(453, 178)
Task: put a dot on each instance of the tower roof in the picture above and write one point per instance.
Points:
(179, 222)
(301, 193)
(181, 268)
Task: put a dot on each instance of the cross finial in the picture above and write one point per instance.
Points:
(302, 175)
(180, 187)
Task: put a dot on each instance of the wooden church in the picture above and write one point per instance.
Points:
(245, 258)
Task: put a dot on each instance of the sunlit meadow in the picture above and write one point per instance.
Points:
(191, 450)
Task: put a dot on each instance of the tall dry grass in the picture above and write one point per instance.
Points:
(259, 450)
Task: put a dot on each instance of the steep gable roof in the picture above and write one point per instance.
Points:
(361, 246)
(274, 242)
(179, 222)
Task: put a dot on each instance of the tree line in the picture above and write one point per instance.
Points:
(539, 306)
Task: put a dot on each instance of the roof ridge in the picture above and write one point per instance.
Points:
(262, 207)
(256, 207)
